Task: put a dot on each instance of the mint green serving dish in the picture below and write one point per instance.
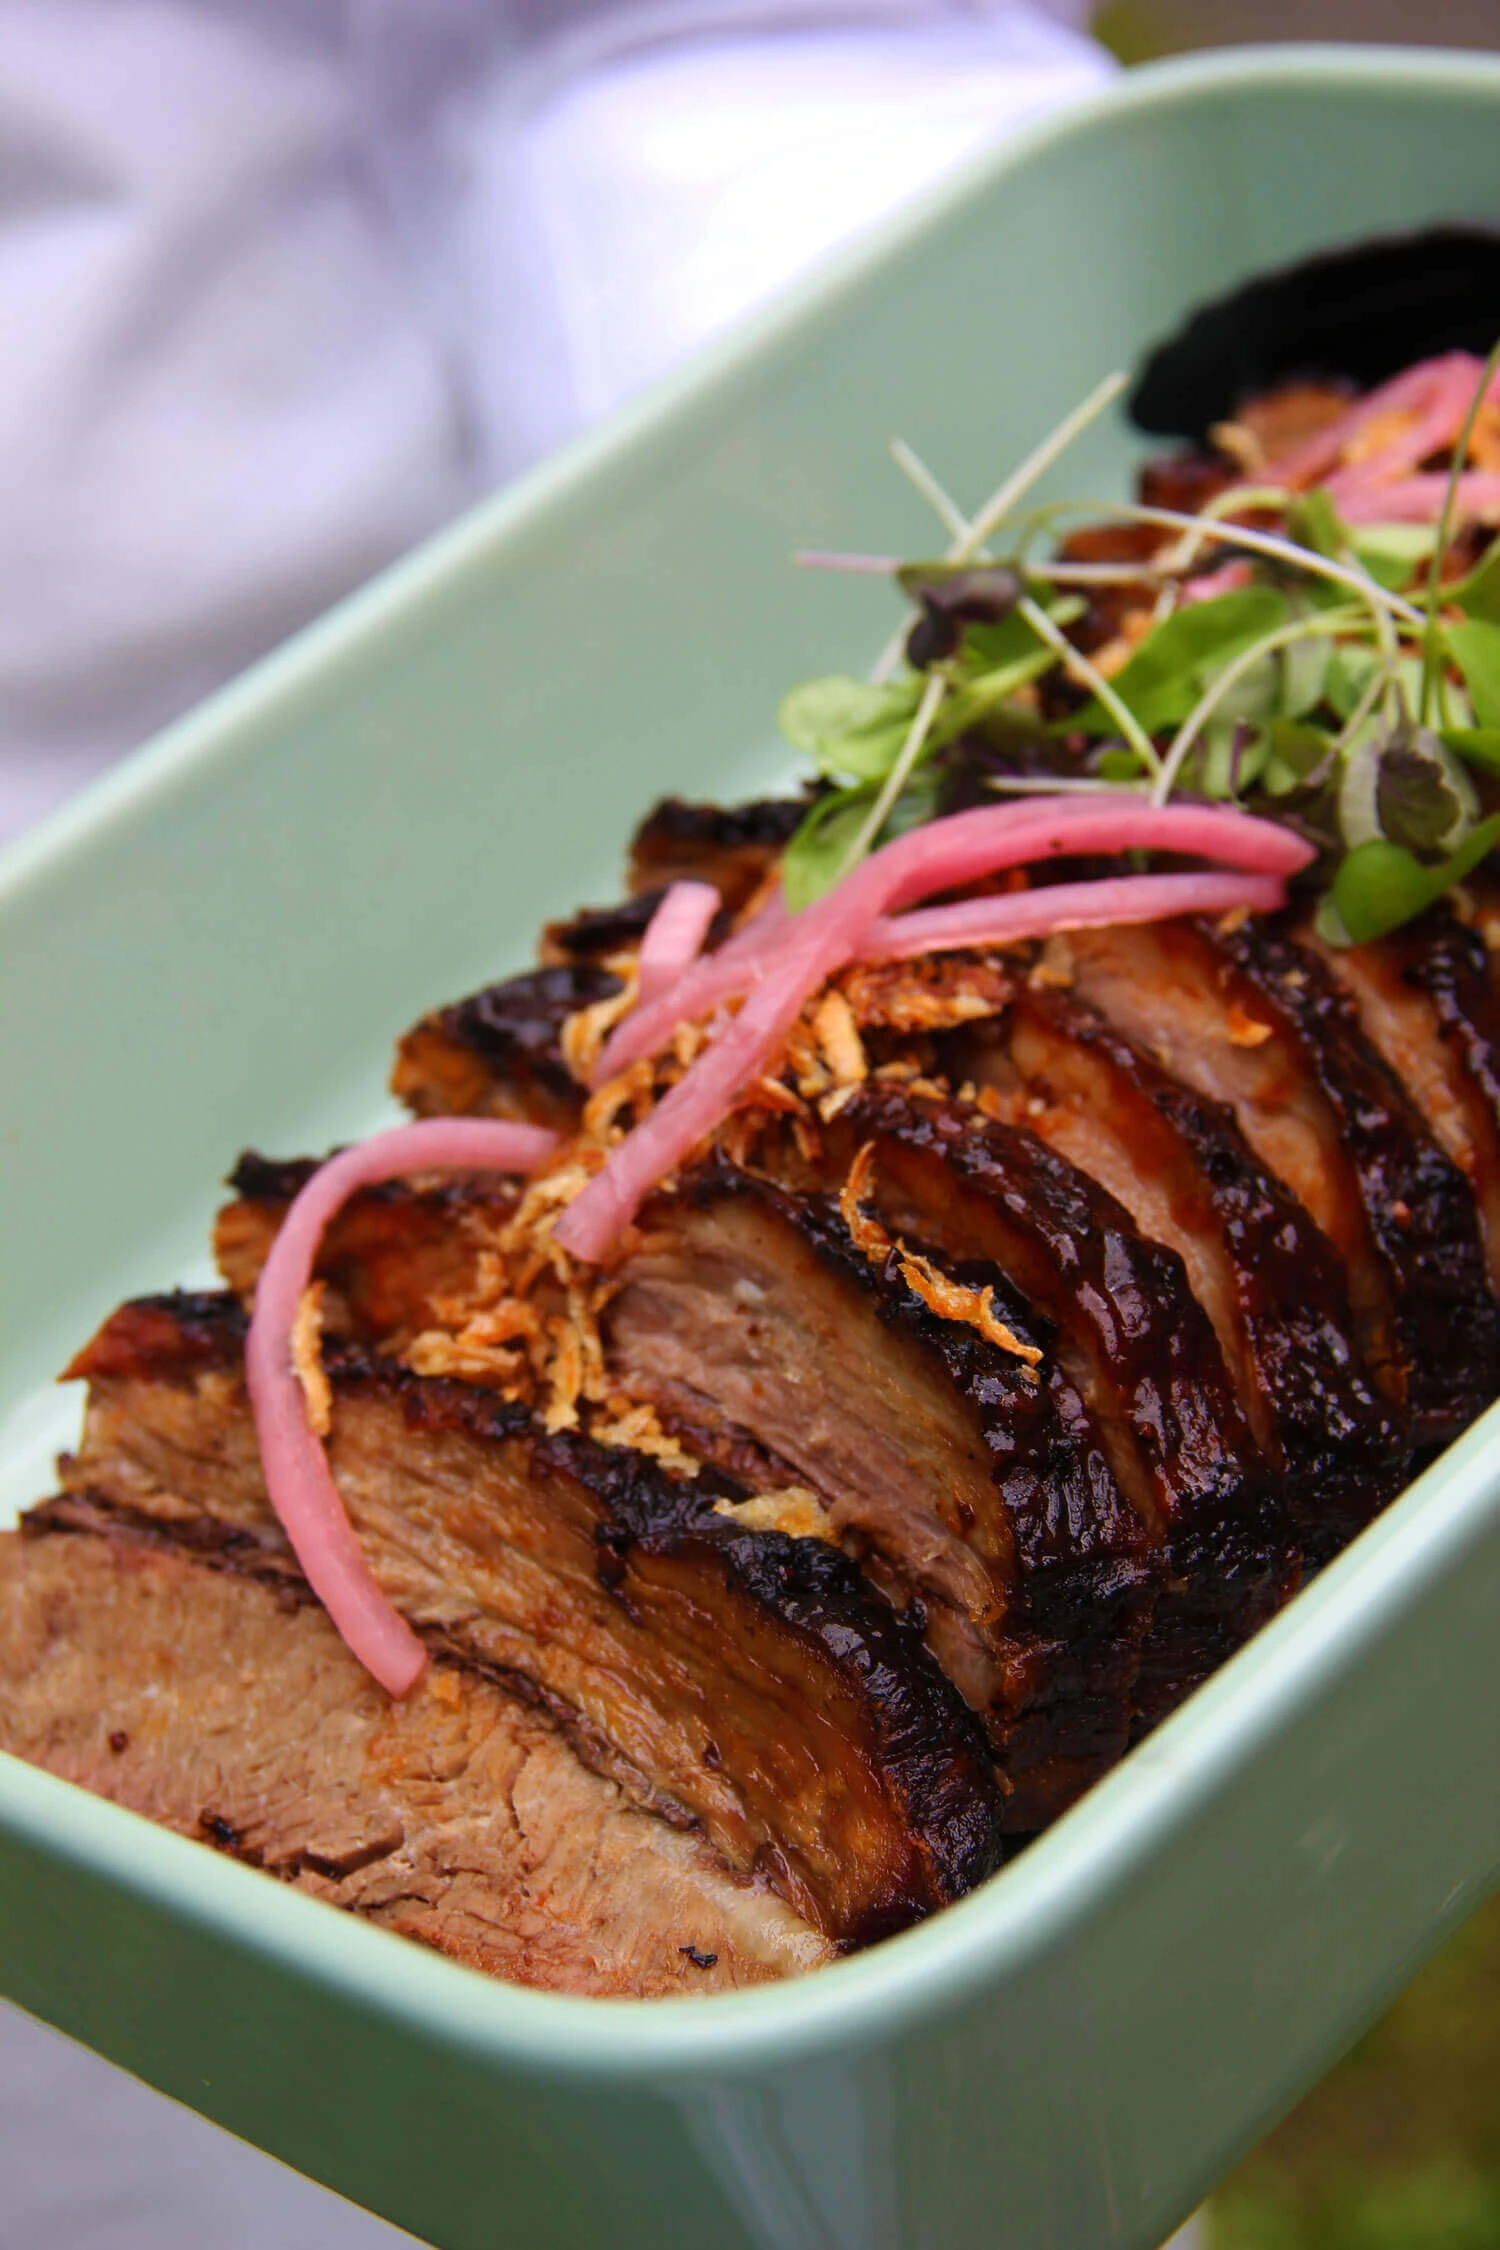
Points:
(216, 947)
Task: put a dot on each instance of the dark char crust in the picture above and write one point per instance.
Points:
(931, 1745)
(1088, 1263)
(1449, 962)
(1080, 1548)
(1417, 1204)
(1345, 1454)
(731, 847)
(517, 1026)
(595, 932)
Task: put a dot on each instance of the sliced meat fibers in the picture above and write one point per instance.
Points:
(740, 1679)
(235, 1715)
(1427, 1002)
(1131, 1338)
(974, 1487)
(1250, 1020)
(1261, 1270)
(966, 1483)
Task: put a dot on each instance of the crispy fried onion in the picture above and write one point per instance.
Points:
(939, 1292)
(795, 1509)
(529, 1324)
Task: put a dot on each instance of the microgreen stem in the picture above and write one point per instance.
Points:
(1326, 627)
(896, 779)
(913, 467)
(1358, 582)
(1036, 464)
(1055, 785)
(1430, 662)
(1088, 675)
(1185, 553)
(1380, 680)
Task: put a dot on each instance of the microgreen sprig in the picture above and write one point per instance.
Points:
(1331, 741)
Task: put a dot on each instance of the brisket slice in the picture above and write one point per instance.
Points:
(743, 1680)
(499, 1052)
(1427, 1003)
(1248, 1019)
(458, 1817)
(1131, 1338)
(388, 1258)
(1265, 1275)
(734, 847)
(969, 1483)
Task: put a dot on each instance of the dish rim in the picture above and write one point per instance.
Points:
(1126, 1819)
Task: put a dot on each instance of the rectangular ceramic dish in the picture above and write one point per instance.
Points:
(216, 949)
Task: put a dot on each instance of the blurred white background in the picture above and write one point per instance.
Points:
(286, 283)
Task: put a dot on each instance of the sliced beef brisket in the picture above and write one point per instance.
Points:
(1261, 1270)
(741, 1679)
(233, 1713)
(1245, 1017)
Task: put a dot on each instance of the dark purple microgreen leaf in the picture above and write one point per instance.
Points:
(1381, 885)
(974, 593)
(1475, 649)
(1418, 802)
(1167, 673)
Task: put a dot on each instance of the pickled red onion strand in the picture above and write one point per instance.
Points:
(703, 985)
(944, 855)
(1227, 579)
(1407, 392)
(298, 1479)
(961, 849)
(674, 936)
(1066, 906)
(1419, 499)
(1434, 429)
(697, 1103)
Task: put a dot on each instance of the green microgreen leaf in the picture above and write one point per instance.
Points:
(1475, 649)
(1119, 763)
(1313, 521)
(1393, 553)
(1295, 754)
(1478, 595)
(1380, 885)
(819, 851)
(851, 729)
(1167, 673)
(1479, 745)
